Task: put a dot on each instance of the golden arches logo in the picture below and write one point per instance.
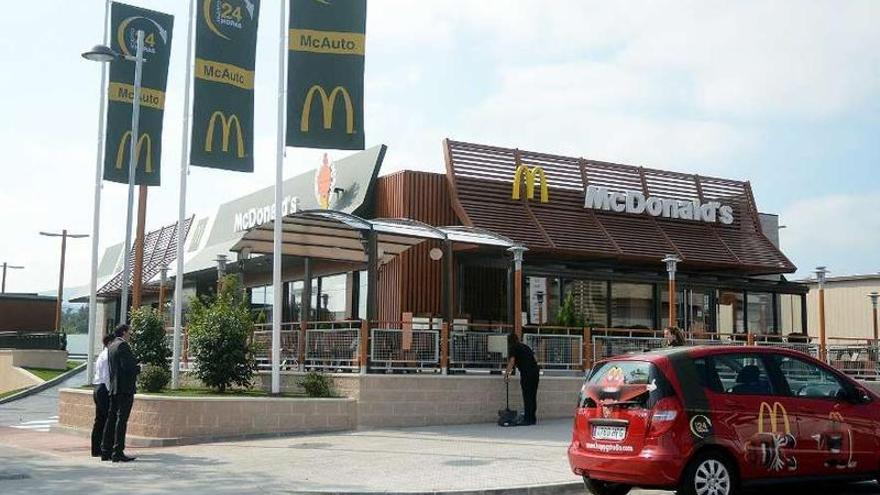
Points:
(327, 103)
(144, 139)
(530, 175)
(226, 130)
(774, 412)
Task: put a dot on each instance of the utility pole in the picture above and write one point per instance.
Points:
(10, 267)
(138, 276)
(63, 235)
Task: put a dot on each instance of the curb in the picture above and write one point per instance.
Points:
(43, 386)
(551, 489)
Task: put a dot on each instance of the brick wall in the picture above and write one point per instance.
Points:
(206, 418)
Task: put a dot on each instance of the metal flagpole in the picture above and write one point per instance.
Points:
(132, 167)
(181, 212)
(96, 213)
(279, 178)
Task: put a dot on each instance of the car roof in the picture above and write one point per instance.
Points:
(661, 354)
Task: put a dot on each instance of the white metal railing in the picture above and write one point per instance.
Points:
(478, 347)
(556, 351)
(388, 349)
(332, 346)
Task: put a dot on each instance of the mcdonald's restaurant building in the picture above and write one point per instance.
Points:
(358, 245)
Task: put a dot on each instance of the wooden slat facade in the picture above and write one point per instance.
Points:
(481, 181)
(412, 282)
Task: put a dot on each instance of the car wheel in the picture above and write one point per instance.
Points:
(709, 474)
(597, 487)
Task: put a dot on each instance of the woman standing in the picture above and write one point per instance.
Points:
(674, 337)
(101, 396)
(521, 356)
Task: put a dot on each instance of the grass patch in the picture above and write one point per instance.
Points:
(11, 392)
(46, 374)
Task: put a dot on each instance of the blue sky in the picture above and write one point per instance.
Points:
(784, 94)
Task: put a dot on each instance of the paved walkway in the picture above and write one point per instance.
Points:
(467, 459)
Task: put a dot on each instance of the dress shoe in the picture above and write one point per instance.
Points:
(96, 454)
(123, 458)
(105, 457)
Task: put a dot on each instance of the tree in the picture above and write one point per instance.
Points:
(148, 341)
(567, 315)
(219, 332)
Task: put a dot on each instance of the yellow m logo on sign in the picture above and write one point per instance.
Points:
(773, 412)
(144, 139)
(530, 175)
(327, 103)
(226, 129)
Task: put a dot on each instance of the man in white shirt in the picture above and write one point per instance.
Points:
(101, 396)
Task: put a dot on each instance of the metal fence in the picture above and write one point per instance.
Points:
(25, 340)
(261, 346)
(332, 346)
(393, 348)
(556, 348)
(855, 357)
(478, 346)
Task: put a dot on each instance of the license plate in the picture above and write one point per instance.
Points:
(615, 433)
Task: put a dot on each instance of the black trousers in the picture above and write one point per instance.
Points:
(529, 384)
(113, 443)
(102, 404)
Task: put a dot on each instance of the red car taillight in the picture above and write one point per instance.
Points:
(663, 416)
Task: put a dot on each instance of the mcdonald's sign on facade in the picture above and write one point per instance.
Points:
(226, 130)
(326, 47)
(531, 176)
(125, 21)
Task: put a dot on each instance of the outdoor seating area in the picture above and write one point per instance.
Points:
(425, 345)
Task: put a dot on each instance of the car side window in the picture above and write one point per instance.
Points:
(741, 374)
(810, 381)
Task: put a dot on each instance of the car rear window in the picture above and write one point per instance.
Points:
(613, 373)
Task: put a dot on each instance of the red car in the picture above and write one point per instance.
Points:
(710, 420)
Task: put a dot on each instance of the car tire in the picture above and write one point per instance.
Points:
(709, 474)
(598, 487)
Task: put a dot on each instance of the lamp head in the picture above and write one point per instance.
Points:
(100, 53)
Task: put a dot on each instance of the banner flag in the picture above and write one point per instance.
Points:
(223, 84)
(125, 22)
(325, 77)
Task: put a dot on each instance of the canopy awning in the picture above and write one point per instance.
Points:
(335, 235)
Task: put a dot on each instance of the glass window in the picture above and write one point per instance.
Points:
(790, 315)
(808, 380)
(613, 374)
(632, 305)
(362, 294)
(262, 300)
(332, 298)
(761, 313)
(730, 312)
(740, 374)
(588, 301)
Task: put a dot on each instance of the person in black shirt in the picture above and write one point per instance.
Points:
(521, 356)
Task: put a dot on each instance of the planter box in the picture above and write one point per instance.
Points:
(162, 420)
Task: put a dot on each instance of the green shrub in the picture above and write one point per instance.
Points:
(219, 331)
(148, 341)
(153, 378)
(317, 384)
(567, 315)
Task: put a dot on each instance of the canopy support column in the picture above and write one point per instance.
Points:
(305, 312)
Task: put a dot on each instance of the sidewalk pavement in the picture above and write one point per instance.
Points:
(471, 458)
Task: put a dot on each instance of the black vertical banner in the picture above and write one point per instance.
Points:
(125, 22)
(325, 78)
(223, 85)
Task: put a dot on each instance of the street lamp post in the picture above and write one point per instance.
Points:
(221, 271)
(163, 279)
(672, 261)
(874, 296)
(10, 267)
(63, 235)
(101, 53)
(821, 272)
(517, 252)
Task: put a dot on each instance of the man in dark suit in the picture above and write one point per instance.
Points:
(124, 369)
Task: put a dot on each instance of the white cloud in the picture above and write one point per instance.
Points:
(839, 230)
